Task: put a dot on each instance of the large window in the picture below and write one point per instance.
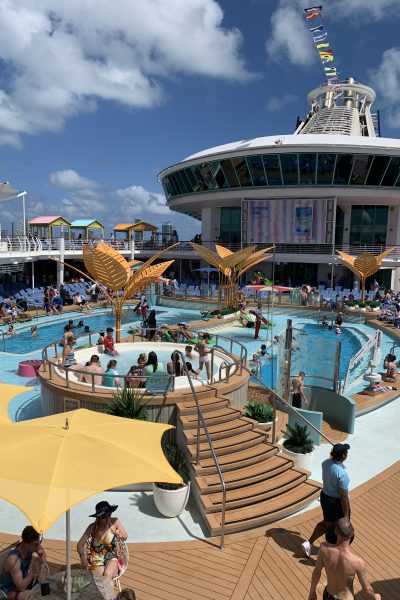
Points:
(289, 169)
(368, 225)
(230, 224)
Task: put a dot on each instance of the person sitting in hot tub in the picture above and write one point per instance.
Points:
(110, 378)
(152, 364)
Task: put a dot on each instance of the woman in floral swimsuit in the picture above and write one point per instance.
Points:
(102, 555)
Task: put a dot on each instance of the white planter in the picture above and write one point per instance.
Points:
(363, 309)
(351, 307)
(303, 461)
(266, 426)
(376, 309)
(171, 503)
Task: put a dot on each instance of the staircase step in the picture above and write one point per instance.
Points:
(212, 417)
(231, 462)
(262, 513)
(252, 494)
(228, 445)
(220, 431)
(188, 407)
(260, 471)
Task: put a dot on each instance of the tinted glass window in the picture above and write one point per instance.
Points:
(201, 184)
(256, 168)
(167, 187)
(230, 224)
(175, 184)
(218, 174)
(326, 165)
(191, 179)
(361, 167)
(392, 172)
(184, 183)
(208, 176)
(377, 170)
(229, 173)
(307, 165)
(240, 166)
(368, 225)
(289, 165)
(343, 168)
(272, 169)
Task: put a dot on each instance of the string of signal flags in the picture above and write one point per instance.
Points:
(314, 17)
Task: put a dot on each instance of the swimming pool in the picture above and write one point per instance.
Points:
(48, 332)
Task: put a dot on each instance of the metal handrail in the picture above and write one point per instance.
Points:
(276, 396)
(50, 362)
(200, 417)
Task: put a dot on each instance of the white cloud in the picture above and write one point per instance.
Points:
(136, 200)
(275, 104)
(386, 82)
(363, 9)
(62, 57)
(70, 179)
(289, 39)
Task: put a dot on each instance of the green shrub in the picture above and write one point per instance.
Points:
(373, 304)
(362, 304)
(259, 411)
(298, 439)
(127, 403)
(174, 456)
(349, 303)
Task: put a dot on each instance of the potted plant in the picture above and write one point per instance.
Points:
(127, 403)
(362, 306)
(350, 304)
(261, 412)
(299, 446)
(171, 498)
(375, 306)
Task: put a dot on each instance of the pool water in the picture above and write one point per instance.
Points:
(314, 351)
(23, 341)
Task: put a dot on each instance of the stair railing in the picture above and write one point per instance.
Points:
(200, 418)
(276, 397)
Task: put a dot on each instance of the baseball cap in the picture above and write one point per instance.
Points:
(339, 449)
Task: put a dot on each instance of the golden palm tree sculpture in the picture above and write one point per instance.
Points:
(109, 268)
(231, 265)
(364, 265)
(113, 273)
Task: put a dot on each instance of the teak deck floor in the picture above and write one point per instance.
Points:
(266, 563)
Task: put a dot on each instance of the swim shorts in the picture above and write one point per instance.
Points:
(331, 508)
(296, 400)
(328, 596)
(204, 359)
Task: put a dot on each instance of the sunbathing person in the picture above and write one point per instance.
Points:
(391, 369)
(102, 553)
(17, 578)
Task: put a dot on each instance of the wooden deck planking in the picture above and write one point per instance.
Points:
(263, 564)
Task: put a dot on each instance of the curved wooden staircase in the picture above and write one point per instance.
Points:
(262, 485)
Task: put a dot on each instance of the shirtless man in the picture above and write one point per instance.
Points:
(204, 355)
(341, 566)
(95, 368)
(298, 390)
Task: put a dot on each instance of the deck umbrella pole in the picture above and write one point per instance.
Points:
(68, 551)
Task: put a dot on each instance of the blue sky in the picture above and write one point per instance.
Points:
(98, 96)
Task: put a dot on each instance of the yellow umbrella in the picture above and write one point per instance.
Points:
(48, 465)
(7, 393)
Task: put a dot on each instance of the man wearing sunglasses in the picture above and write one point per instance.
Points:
(19, 573)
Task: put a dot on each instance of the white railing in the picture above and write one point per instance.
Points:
(372, 346)
(19, 245)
